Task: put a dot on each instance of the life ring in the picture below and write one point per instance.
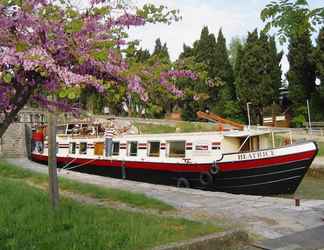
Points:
(183, 183)
(214, 168)
(206, 178)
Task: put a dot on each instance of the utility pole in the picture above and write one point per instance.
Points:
(52, 165)
(309, 118)
(249, 116)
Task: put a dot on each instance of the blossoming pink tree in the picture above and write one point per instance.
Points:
(49, 46)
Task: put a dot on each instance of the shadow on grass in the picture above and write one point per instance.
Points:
(28, 222)
(129, 198)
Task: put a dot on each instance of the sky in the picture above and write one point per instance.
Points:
(235, 17)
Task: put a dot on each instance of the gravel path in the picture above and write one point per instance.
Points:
(265, 216)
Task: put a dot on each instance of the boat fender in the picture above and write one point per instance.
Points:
(206, 178)
(183, 183)
(39, 147)
(214, 168)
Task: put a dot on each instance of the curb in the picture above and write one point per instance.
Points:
(224, 240)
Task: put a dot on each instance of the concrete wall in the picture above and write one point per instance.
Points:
(16, 141)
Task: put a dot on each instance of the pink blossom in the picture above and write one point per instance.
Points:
(129, 20)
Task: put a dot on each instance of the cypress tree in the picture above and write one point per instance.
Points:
(223, 70)
(158, 46)
(161, 51)
(317, 101)
(235, 44)
(318, 56)
(258, 74)
(237, 63)
(222, 67)
(142, 55)
(187, 52)
(301, 74)
(275, 67)
(202, 50)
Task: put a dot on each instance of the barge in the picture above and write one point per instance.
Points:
(239, 162)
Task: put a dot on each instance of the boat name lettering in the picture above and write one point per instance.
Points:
(256, 155)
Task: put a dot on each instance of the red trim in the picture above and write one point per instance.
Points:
(178, 167)
(266, 162)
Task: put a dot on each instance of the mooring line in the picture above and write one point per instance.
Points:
(68, 164)
(81, 165)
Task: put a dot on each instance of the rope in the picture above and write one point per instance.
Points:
(68, 164)
(81, 165)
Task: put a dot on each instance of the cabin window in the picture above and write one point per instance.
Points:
(154, 149)
(250, 144)
(177, 149)
(72, 148)
(132, 148)
(115, 150)
(83, 148)
(61, 129)
(99, 148)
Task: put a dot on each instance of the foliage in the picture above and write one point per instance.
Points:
(51, 48)
(224, 71)
(215, 86)
(301, 74)
(161, 51)
(295, 21)
(195, 92)
(317, 98)
(158, 77)
(259, 75)
(28, 222)
(291, 18)
(235, 45)
(318, 56)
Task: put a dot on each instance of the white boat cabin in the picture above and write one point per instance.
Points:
(201, 147)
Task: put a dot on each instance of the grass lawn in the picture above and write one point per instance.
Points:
(129, 198)
(321, 148)
(311, 188)
(182, 127)
(27, 222)
(146, 128)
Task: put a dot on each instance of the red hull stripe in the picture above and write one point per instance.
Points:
(258, 163)
(177, 167)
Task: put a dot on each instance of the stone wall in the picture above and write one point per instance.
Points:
(13, 142)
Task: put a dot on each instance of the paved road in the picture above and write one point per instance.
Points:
(310, 239)
(265, 216)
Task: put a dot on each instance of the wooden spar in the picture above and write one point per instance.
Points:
(216, 118)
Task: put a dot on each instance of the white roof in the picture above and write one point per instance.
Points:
(246, 133)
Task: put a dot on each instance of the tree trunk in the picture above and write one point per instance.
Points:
(23, 96)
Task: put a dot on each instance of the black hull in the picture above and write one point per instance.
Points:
(267, 180)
